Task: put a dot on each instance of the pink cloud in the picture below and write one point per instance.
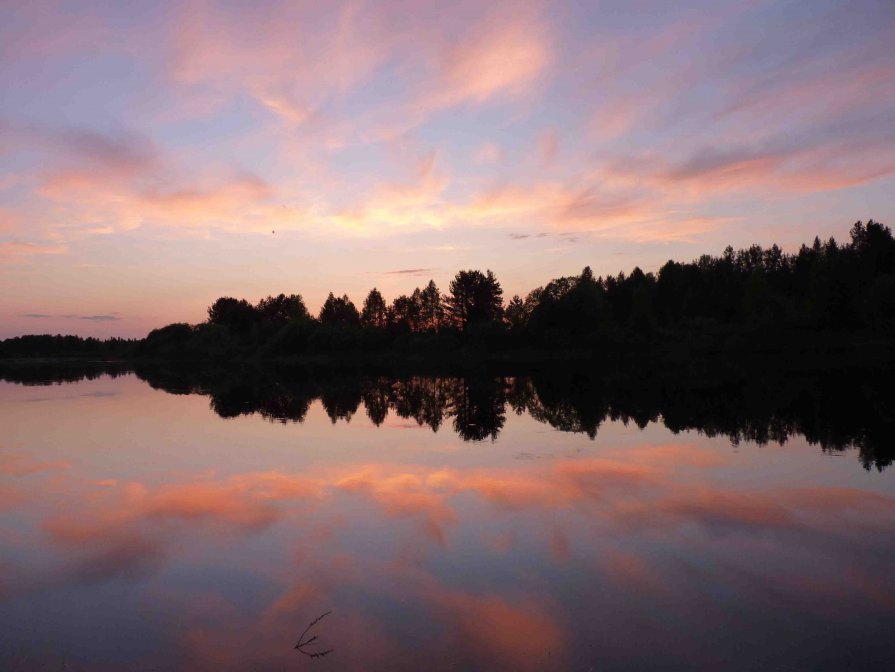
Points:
(414, 204)
(241, 202)
(630, 571)
(94, 183)
(309, 52)
(590, 206)
(831, 91)
(520, 634)
(784, 167)
(13, 250)
(24, 465)
(10, 497)
(564, 204)
(39, 33)
(247, 503)
(624, 487)
(503, 55)
(124, 154)
(9, 220)
(548, 146)
(314, 55)
(488, 153)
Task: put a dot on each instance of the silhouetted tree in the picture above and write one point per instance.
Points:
(570, 307)
(339, 311)
(173, 340)
(280, 309)
(431, 308)
(474, 296)
(404, 313)
(375, 312)
(235, 314)
(514, 314)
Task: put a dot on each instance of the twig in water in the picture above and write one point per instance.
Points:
(304, 643)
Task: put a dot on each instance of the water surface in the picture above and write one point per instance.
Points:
(200, 522)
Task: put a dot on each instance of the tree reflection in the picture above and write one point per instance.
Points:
(341, 398)
(477, 406)
(837, 410)
(422, 399)
(376, 400)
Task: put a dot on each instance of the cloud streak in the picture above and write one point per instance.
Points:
(408, 271)
(15, 249)
(109, 317)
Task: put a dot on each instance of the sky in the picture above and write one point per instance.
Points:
(156, 156)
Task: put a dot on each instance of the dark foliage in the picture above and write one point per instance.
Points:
(760, 296)
(752, 298)
(339, 311)
(375, 313)
(474, 297)
(66, 346)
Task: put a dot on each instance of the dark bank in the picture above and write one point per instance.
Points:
(827, 304)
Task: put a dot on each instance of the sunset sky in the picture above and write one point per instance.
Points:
(148, 151)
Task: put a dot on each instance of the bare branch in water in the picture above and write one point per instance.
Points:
(304, 643)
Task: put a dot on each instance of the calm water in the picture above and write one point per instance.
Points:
(200, 523)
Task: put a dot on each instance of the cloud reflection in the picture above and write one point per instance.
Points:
(495, 564)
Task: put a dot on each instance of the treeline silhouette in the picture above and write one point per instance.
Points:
(750, 297)
(837, 410)
(45, 345)
(825, 287)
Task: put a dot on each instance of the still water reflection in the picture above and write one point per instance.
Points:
(200, 521)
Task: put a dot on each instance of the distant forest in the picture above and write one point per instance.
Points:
(823, 288)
